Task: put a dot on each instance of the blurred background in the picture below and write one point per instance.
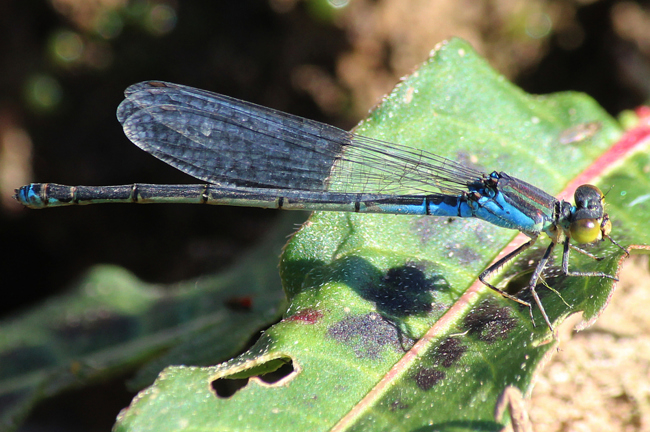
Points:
(66, 63)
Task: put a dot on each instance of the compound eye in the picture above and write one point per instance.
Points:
(588, 197)
(585, 231)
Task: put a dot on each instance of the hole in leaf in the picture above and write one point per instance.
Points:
(518, 282)
(278, 369)
(275, 376)
(226, 387)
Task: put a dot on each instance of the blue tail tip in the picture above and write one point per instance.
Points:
(29, 196)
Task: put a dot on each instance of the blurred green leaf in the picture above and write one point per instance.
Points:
(111, 322)
(383, 331)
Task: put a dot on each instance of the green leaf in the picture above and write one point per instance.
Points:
(387, 327)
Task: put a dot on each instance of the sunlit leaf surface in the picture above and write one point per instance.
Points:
(387, 328)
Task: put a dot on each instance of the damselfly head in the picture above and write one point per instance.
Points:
(589, 221)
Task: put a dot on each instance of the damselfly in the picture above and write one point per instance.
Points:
(259, 157)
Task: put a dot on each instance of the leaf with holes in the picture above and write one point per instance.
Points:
(388, 328)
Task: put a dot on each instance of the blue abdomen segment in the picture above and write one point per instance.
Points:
(431, 205)
(31, 196)
(498, 211)
(25, 196)
(447, 205)
(490, 207)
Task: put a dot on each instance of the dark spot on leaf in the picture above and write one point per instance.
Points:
(426, 378)
(397, 405)
(239, 304)
(463, 254)
(489, 322)
(307, 316)
(443, 231)
(448, 352)
(428, 228)
(368, 335)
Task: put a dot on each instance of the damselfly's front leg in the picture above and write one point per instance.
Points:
(565, 262)
(532, 283)
(535, 278)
